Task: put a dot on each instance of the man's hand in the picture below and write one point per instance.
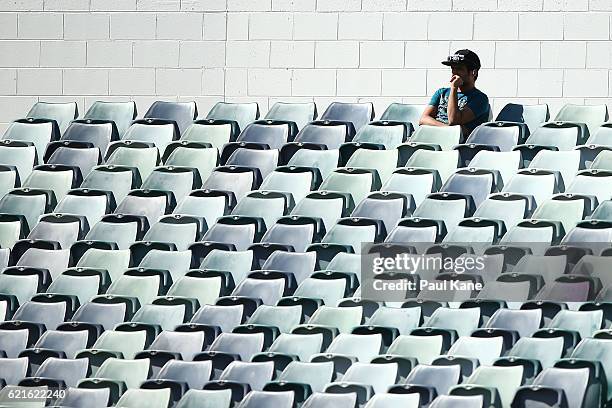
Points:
(456, 82)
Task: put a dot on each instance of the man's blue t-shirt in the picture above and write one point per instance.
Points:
(474, 99)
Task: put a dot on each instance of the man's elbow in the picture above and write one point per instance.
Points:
(454, 121)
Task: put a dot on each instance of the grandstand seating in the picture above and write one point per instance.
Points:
(170, 261)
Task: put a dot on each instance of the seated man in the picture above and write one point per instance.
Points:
(461, 103)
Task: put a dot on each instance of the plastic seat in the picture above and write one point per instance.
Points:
(352, 232)
(559, 135)
(120, 113)
(326, 400)
(113, 261)
(536, 185)
(567, 209)
(445, 163)
(593, 349)
(12, 342)
(291, 232)
(50, 315)
(177, 344)
(256, 375)
(58, 179)
(284, 318)
(443, 137)
(136, 398)
(83, 397)
(21, 156)
(358, 183)
(593, 266)
(148, 204)
(477, 184)
(406, 113)
(63, 229)
(235, 232)
(176, 229)
(206, 206)
(326, 206)
(178, 180)
(366, 379)
(80, 156)
(263, 134)
(497, 385)
(591, 115)
(357, 114)
(342, 318)
(158, 132)
(603, 161)
(532, 115)
(296, 112)
(236, 180)
(268, 206)
(206, 399)
(107, 315)
(182, 113)
(321, 161)
(313, 292)
(214, 132)
(301, 265)
(475, 351)
(346, 349)
(91, 204)
(61, 112)
(229, 347)
(393, 401)
(72, 283)
(383, 161)
(193, 374)
(238, 263)
(241, 113)
(585, 323)
(99, 133)
(561, 386)
(380, 134)
(39, 132)
(590, 234)
(165, 316)
(386, 206)
(453, 401)
(501, 135)
(54, 260)
(117, 180)
(269, 291)
(199, 156)
(122, 230)
(429, 381)
(294, 182)
(61, 370)
(12, 370)
(566, 163)
(225, 318)
(592, 183)
(288, 348)
(303, 378)
(448, 208)
(523, 322)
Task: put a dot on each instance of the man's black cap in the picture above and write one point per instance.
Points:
(466, 57)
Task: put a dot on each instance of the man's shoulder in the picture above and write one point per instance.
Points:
(477, 93)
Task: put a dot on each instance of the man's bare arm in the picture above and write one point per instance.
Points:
(456, 116)
(429, 117)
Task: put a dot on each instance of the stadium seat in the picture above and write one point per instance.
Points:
(241, 113)
(443, 138)
(61, 112)
(352, 114)
(298, 113)
(194, 398)
(405, 113)
(531, 115)
(160, 133)
(590, 115)
(181, 113)
(120, 113)
(39, 132)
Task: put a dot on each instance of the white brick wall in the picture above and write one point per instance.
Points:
(547, 51)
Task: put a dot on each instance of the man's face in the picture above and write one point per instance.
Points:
(466, 75)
